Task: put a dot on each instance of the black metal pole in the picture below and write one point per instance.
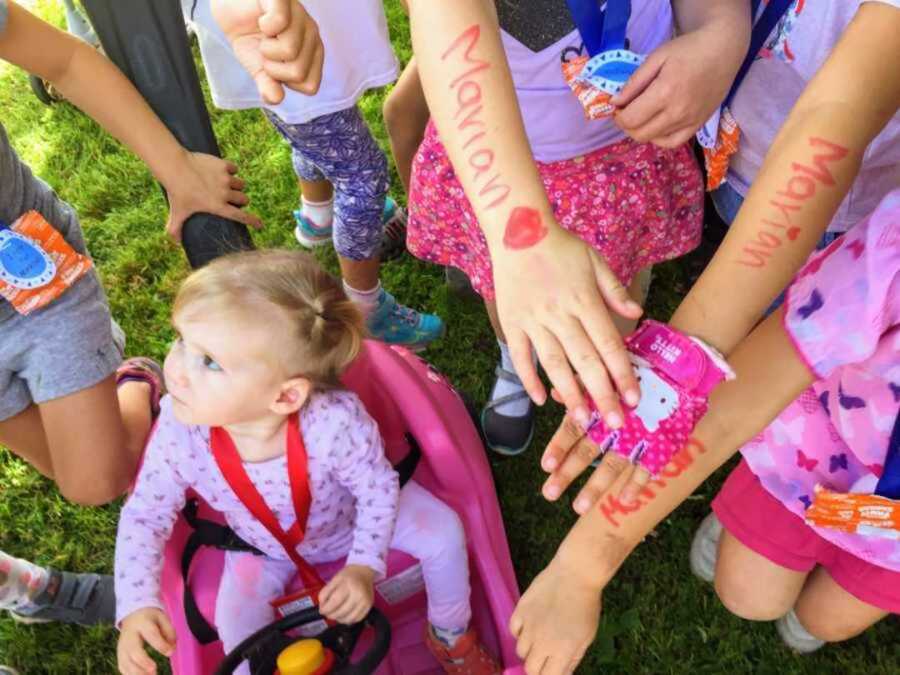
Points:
(146, 39)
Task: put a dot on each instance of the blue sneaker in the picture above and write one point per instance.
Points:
(308, 233)
(395, 324)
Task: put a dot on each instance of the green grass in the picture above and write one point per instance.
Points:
(657, 617)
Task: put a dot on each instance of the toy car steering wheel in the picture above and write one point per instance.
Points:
(263, 647)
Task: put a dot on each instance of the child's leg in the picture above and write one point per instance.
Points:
(248, 583)
(830, 613)
(405, 118)
(357, 168)
(751, 586)
(59, 407)
(430, 531)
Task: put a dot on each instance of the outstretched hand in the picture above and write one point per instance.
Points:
(276, 41)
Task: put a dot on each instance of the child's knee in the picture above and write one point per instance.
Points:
(828, 626)
(745, 601)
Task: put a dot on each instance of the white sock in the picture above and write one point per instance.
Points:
(518, 407)
(367, 301)
(795, 635)
(321, 213)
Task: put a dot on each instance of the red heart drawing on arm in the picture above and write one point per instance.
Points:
(524, 229)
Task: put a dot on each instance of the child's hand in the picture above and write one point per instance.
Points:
(557, 298)
(348, 597)
(678, 88)
(556, 620)
(205, 184)
(150, 625)
(276, 41)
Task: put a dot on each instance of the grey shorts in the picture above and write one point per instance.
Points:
(59, 350)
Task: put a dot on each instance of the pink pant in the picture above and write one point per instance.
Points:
(427, 529)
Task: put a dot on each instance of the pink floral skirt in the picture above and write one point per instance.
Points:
(635, 203)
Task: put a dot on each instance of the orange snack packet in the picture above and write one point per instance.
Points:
(718, 157)
(37, 265)
(596, 103)
(856, 513)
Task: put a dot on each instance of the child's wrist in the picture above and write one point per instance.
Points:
(592, 565)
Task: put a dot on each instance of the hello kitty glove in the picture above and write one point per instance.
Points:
(676, 373)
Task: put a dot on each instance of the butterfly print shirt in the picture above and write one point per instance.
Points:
(355, 495)
(843, 315)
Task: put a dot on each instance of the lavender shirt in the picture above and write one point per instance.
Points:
(355, 495)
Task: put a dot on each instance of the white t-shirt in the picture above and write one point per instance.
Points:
(358, 56)
(793, 54)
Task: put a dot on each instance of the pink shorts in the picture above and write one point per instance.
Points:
(634, 203)
(762, 524)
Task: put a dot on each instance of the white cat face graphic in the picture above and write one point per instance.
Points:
(658, 399)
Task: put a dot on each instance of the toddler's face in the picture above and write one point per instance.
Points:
(220, 371)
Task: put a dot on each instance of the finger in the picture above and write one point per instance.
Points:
(587, 361)
(556, 664)
(562, 443)
(174, 225)
(328, 604)
(236, 183)
(523, 645)
(141, 662)
(609, 344)
(676, 138)
(520, 353)
(276, 16)
(238, 198)
(661, 125)
(269, 87)
(534, 664)
(611, 467)
(343, 611)
(638, 481)
(639, 81)
(231, 167)
(153, 636)
(553, 358)
(240, 216)
(314, 77)
(516, 624)
(612, 290)
(337, 603)
(576, 462)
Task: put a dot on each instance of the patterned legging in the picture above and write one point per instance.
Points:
(340, 148)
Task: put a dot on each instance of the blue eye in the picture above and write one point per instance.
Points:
(211, 364)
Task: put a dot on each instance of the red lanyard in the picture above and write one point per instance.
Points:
(232, 468)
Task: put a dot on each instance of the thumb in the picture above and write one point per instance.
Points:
(639, 81)
(174, 224)
(154, 637)
(269, 88)
(168, 630)
(614, 293)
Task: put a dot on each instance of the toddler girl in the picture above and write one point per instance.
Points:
(264, 337)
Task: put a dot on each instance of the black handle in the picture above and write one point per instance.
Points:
(146, 39)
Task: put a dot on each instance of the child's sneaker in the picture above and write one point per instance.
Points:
(85, 599)
(395, 324)
(393, 238)
(308, 234)
(705, 548)
(467, 657)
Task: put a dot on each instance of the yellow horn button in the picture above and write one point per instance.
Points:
(301, 658)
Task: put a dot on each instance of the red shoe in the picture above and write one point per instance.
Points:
(143, 369)
(467, 657)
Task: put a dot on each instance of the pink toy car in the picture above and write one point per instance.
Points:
(406, 396)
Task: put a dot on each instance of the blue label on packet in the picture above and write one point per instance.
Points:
(23, 263)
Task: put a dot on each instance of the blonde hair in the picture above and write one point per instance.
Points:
(327, 326)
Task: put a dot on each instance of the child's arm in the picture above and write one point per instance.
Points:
(552, 288)
(145, 524)
(557, 616)
(807, 173)
(686, 79)
(194, 182)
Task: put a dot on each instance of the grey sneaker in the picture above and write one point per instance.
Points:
(705, 548)
(7, 670)
(796, 636)
(86, 599)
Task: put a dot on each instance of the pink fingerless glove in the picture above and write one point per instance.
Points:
(676, 374)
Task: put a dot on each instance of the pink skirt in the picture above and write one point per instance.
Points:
(634, 203)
